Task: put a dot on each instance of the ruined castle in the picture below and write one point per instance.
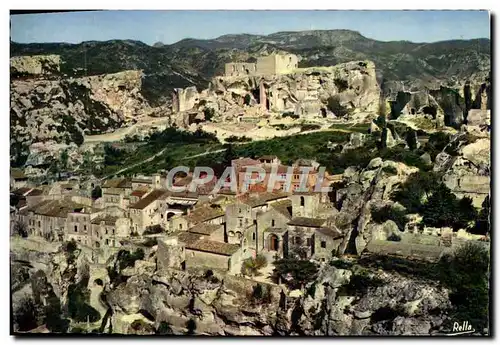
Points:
(265, 65)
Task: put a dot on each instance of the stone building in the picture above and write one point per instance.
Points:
(109, 230)
(18, 179)
(265, 65)
(145, 212)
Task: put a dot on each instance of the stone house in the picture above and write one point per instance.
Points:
(271, 231)
(46, 219)
(124, 185)
(269, 159)
(201, 252)
(265, 65)
(145, 212)
(313, 238)
(79, 226)
(18, 179)
(203, 214)
(109, 230)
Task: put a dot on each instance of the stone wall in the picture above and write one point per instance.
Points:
(232, 264)
(235, 69)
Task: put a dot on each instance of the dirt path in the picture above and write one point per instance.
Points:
(156, 155)
(121, 133)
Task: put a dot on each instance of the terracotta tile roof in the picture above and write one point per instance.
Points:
(35, 192)
(261, 199)
(148, 199)
(284, 207)
(185, 194)
(199, 243)
(242, 162)
(107, 219)
(17, 174)
(139, 192)
(142, 180)
(56, 208)
(204, 213)
(205, 229)
(330, 232)
(21, 191)
(113, 191)
(280, 169)
(310, 222)
(117, 183)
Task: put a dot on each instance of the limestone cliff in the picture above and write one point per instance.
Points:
(138, 299)
(54, 108)
(305, 92)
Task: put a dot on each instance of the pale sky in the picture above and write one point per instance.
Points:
(172, 26)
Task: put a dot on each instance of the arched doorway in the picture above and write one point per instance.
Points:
(273, 243)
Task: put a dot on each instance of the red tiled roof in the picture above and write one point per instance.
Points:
(148, 199)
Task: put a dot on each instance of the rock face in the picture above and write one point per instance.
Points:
(63, 110)
(139, 299)
(384, 304)
(468, 173)
(304, 92)
(365, 189)
(36, 65)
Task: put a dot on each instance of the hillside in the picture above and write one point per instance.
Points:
(193, 61)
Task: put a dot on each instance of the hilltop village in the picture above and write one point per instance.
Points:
(143, 253)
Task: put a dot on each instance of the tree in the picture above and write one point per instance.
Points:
(300, 272)
(64, 160)
(164, 328)
(25, 315)
(483, 221)
(20, 228)
(229, 155)
(96, 192)
(251, 266)
(411, 138)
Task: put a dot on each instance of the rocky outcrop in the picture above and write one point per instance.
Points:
(64, 110)
(305, 92)
(468, 172)
(357, 301)
(370, 187)
(36, 65)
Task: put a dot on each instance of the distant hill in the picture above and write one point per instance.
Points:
(194, 61)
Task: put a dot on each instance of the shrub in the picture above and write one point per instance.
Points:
(260, 294)
(20, 228)
(25, 316)
(309, 127)
(389, 169)
(466, 274)
(251, 266)
(301, 272)
(341, 84)
(383, 214)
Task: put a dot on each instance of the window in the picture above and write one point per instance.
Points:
(240, 220)
(85, 228)
(39, 224)
(180, 226)
(296, 177)
(323, 244)
(272, 222)
(162, 216)
(107, 241)
(239, 210)
(106, 231)
(298, 240)
(76, 228)
(302, 201)
(113, 231)
(253, 236)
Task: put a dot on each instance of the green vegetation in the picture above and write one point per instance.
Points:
(236, 139)
(251, 266)
(25, 316)
(260, 295)
(300, 271)
(357, 127)
(383, 214)
(425, 194)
